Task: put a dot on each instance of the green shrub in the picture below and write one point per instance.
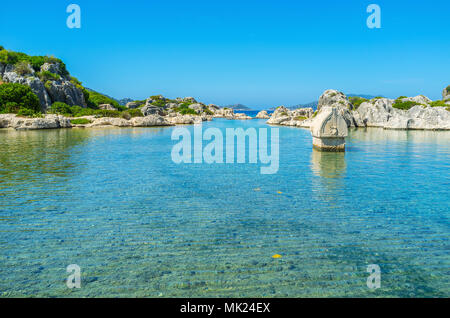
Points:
(22, 68)
(448, 89)
(80, 121)
(48, 76)
(438, 103)
(356, 101)
(300, 118)
(10, 57)
(135, 112)
(96, 99)
(403, 105)
(21, 95)
(61, 108)
(25, 112)
(188, 111)
(159, 103)
(208, 111)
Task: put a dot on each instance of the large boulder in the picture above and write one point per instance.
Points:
(262, 115)
(150, 109)
(107, 107)
(198, 108)
(333, 98)
(132, 105)
(51, 67)
(149, 121)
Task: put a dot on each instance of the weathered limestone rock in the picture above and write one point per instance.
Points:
(262, 115)
(110, 121)
(51, 67)
(66, 92)
(333, 98)
(446, 94)
(24, 123)
(329, 130)
(149, 121)
(150, 109)
(34, 83)
(241, 116)
(107, 107)
(132, 105)
(198, 108)
(285, 117)
(184, 120)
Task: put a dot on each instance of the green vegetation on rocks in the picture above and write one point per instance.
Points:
(77, 111)
(405, 105)
(14, 58)
(80, 121)
(356, 101)
(438, 103)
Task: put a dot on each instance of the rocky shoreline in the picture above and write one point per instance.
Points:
(54, 121)
(421, 112)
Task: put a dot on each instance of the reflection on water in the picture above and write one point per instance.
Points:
(328, 164)
(113, 202)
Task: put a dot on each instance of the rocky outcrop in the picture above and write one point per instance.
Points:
(333, 98)
(186, 119)
(380, 113)
(262, 115)
(150, 109)
(9, 76)
(446, 94)
(61, 90)
(198, 108)
(65, 92)
(21, 123)
(242, 116)
(107, 107)
(132, 105)
(286, 117)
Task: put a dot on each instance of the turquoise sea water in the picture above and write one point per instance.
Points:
(112, 201)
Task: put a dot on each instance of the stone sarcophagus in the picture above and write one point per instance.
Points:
(329, 130)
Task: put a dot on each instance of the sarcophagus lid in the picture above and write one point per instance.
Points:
(329, 124)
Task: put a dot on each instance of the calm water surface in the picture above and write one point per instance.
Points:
(112, 201)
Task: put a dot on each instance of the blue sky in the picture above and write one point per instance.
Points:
(258, 53)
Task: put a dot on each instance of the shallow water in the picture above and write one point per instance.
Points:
(113, 202)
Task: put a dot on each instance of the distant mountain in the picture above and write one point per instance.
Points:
(125, 101)
(314, 104)
(238, 107)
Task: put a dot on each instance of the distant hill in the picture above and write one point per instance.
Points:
(122, 102)
(238, 107)
(125, 101)
(314, 104)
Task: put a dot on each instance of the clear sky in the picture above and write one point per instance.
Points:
(258, 53)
